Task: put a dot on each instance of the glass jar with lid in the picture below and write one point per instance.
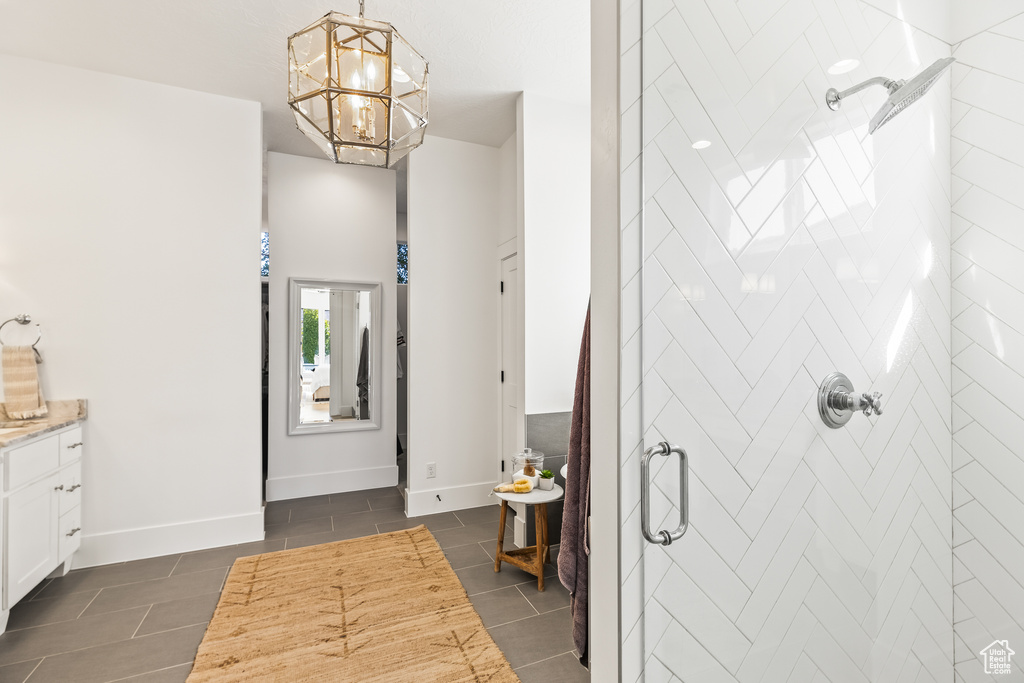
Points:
(527, 465)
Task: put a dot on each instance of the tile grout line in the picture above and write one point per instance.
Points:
(115, 585)
(89, 604)
(168, 630)
(146, 673)
(34, 669)
(532, 616)
(66, 621)
(488, 563)
(97, 645)
(42, 586)
(143, 621)
(532, 581)
(519, 588)
(548, 659)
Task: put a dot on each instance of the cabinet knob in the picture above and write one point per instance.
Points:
(59, 488)
(73, 531)
(75, 445)
(76, 486)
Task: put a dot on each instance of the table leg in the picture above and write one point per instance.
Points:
(547, 540)
(540, 516)
(501, 536)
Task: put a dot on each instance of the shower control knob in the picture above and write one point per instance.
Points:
(872, 403)
(837, 401)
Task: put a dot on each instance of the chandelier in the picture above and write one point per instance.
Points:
(357, 89)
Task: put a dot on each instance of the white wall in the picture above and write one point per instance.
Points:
(555, 246)
(509, 209)
(988, 342)
(334, 222)
(453, 324)
(970, 17)
(931, 16)
(401, 227)
(793, 246)
(129, 219)
(509, 241)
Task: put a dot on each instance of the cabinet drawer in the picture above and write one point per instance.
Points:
(71, 445)
(34, 459)
(70, 533)
(69, 490)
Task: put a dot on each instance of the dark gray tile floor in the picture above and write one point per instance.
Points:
(143, 621)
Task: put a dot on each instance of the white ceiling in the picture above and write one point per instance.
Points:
(482, 53)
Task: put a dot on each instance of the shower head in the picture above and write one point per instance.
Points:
(901, 93)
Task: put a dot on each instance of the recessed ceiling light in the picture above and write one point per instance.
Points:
(701, 144)
(843, 66)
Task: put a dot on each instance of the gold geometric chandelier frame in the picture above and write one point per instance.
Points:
(357, 89)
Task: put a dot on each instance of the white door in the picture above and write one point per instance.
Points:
(509, 360)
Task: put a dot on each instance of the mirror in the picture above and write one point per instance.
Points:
(334, 354)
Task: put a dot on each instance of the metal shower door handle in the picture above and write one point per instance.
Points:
(663, 537)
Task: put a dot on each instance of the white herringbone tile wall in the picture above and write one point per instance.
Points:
(795, 244)
(988, 345)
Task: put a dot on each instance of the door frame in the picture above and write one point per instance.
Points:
(506, 251)
(605, 641)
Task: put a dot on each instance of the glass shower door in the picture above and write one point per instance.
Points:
(781, 243)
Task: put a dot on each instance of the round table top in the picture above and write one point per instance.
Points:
(533, 497)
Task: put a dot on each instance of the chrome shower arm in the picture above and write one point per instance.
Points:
(833, 97)
(901, 93)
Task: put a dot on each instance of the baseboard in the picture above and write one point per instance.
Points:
(169, 539)
(427, 502)
(303, 486)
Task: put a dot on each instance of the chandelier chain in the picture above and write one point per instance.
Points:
(361, 2)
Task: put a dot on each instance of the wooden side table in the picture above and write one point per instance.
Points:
(533, 558)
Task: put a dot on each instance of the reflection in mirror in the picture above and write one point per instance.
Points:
(335, 341)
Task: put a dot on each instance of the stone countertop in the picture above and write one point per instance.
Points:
(62, 414)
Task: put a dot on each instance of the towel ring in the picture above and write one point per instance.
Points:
(25, 319)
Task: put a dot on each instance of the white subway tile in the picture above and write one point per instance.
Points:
(692, 609)
(702, 78)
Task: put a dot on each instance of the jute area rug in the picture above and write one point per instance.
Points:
(381, 608)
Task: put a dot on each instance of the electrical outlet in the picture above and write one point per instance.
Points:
(431, 470)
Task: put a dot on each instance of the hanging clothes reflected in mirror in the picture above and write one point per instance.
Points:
(336, 332)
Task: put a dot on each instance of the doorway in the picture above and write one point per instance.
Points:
(509, 292)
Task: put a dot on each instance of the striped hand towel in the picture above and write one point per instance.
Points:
(22, 391)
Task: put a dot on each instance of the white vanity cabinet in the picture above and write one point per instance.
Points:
(41, 511)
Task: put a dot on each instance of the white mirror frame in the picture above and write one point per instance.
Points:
(295, 286)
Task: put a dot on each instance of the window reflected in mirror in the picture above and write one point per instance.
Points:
(336, 340)
(403, 263)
